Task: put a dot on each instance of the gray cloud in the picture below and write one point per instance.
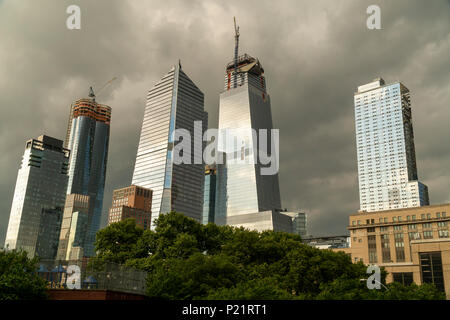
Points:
(315, 54)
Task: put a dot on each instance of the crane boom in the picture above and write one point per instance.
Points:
(106, 84)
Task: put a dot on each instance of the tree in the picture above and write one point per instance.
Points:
(187, 260)
(18, 277)
(117, 242)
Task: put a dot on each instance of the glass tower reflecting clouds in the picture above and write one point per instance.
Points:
(387, 170)
(244, 105)
(173, 103)
(39, 196)
(88, 140)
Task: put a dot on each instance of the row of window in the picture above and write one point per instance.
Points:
(413, 217)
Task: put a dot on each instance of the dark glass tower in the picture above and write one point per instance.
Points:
(88, 140)
(39, 196)
(209, 194)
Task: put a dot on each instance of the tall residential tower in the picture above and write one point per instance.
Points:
(174, 103)
(387, 168)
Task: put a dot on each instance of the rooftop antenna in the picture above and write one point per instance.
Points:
(236, 50)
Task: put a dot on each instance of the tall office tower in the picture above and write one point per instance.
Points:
(387, 169)
(244, 106)
(173, 103)
(74, 227)
(132, 202)
(209, 194)
(88, 141)
(39, 196)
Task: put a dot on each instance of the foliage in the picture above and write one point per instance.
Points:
(187, 260)
(18, 277)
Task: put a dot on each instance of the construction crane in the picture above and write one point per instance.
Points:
(236, 51)
(91, 91)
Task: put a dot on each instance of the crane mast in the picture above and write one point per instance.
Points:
(236, 51)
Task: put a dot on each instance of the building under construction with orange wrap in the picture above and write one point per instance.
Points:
(88, 139)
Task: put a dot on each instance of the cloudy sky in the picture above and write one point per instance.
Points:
(315, 54)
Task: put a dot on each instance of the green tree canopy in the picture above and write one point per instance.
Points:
(18, 277)
(187, 260)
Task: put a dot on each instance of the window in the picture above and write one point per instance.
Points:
(372, 244)
(384, 229)
(399, 218)
(442, 224)
(431, 269)
(412, 226)
(428, 234)
(354, 223)
(385, 248)
(443, 233)
(398, 228)
(444, 214)
(427, 225)
(413, 217)
(438, 214)
(414, 235)
(428, 215)
(394, 219)
(372, 229)
(422, 216)
(405, 278)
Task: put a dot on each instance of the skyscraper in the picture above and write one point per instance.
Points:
(175, 102)
(387, 168)
(209, 194)
(74, 227)
(244, 107)
(132, 202)
(39, 196)
(88, 141)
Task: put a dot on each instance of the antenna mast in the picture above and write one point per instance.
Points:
(236, 51)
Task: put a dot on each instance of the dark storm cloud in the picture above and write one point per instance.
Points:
(315, 54)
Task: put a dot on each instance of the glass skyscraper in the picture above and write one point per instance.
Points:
(173, 103)
(244, 105)
(36, 211)
(387, 170)
(209, 195)
(88, 141)
(74, 227)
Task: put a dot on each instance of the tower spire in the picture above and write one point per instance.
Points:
(236, 51)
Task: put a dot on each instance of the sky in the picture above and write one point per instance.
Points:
(315, 54)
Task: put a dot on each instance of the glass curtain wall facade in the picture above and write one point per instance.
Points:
(175, 102)
(88, 139)
(209, 195)
(74, 227)
(244, 105)
(39, 197)
(387, 170)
